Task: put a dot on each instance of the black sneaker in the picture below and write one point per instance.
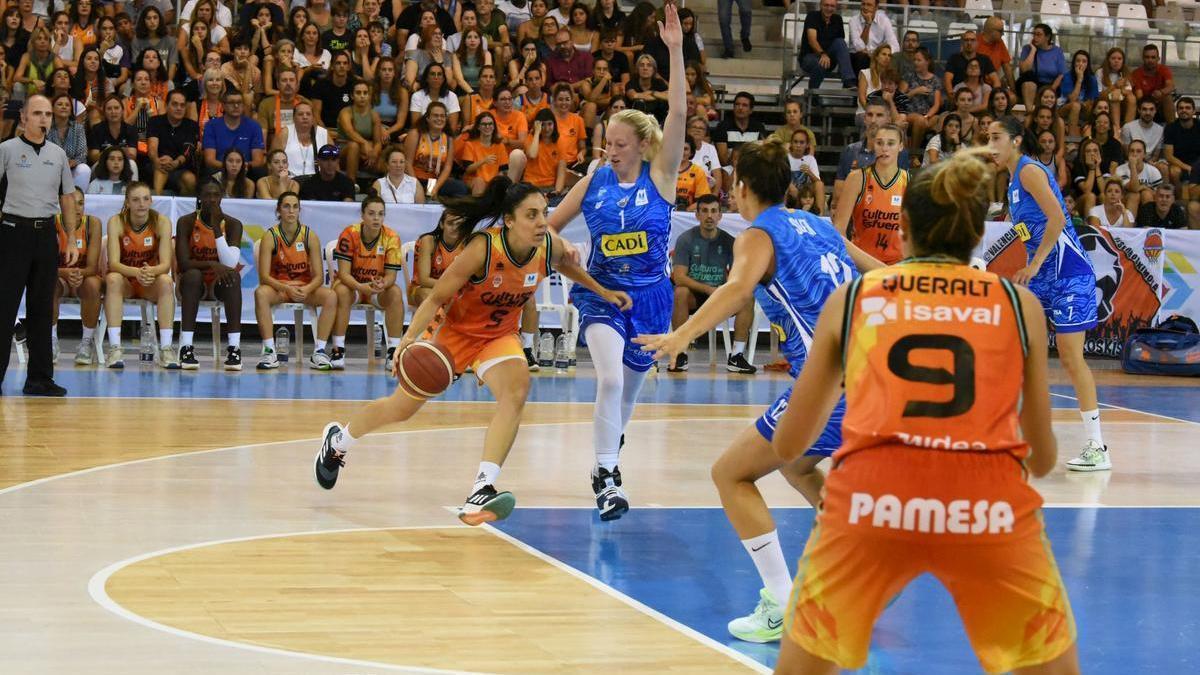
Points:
(329, 461)
(531, 360)
(486, 505)
(391, 357)
(19, 333)
(47, 388)
(187, 358)
(727, 53)
(233, 358)
(680, 365)
(746, 46)
(611, 500)
(337, 358)
(738, 364)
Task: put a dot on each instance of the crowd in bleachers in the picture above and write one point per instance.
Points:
(1113, 131)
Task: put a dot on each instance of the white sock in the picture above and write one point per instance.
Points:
(339, 340)
(488, 473)
(606, 347)
(320, 344)
(114, 336)
(1091, 425)
(269, 345)
(343, 440)
(54, 331)
(165, 337)
(235, 340)
(185, 337)
(527, 340)
(772, 567)
(88, 333)
(739, 347)
(393, 342)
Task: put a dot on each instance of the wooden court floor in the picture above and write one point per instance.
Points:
(153, 535)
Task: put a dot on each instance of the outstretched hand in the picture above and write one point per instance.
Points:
(664, 346)
(670, 30)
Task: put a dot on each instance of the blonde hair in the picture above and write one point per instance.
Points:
(947, 202)
(646, 128)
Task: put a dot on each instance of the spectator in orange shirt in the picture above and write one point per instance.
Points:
(572, 134)
(1155, 81)
(534, 99)
(692, 182)
(482, 155)
(545, 168)
(511, 125)
(991, 44)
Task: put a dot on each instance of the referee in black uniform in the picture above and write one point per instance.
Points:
(35, 182)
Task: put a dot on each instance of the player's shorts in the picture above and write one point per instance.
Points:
(139, 291)
(890, 515)
(361, 298)
(478, 354)
(830, 439)
(1069, 302)
(650, 315)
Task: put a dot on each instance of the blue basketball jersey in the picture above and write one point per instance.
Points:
(1067, 258)
(630, 227)
(810, 263)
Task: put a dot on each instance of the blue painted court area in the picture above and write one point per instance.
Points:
(1131, 573)
(693, 388)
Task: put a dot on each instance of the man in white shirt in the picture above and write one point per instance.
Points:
(513, 13)
(869, 29)
(1144, 129)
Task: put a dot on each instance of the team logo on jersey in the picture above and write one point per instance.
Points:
(379, 250)
(497, 281)
(625, 243)
(126, 241)
(148, 241)
(896, 200)
(641, 199)
(877, 311)
(530, 279)
(300, 246)
(1016, 197)
(78, 243)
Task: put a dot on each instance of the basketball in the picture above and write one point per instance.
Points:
(426, 369)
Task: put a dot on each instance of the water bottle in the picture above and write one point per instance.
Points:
(572, 341)
(545, 355)
(282, 344)
(562, 360)
(378, 341)
(147, 348)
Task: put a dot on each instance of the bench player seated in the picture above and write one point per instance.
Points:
(703, 256)
(290, 270)
(81, 280)
(433, 253)
(367, 262)
(139, 266)
(206, 248)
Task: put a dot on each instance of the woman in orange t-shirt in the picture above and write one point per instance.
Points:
(545, 168)
(484, 288)
(481, 153)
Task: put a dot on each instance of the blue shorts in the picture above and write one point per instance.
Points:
(1069, 302)
(831, 437)
(650, 315)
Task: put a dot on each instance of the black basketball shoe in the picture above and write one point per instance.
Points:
(187, 358)
(611, 500)
(486, 505)
(329, 461)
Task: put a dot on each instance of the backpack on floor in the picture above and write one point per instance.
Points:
(1172, 348)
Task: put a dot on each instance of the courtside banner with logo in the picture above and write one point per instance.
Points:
(1129, 263)
(1129, 277)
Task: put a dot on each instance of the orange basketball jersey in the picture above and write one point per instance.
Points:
(202, 247)
(369, 260)
(489, 305)
(875, 220)
(83, 240)
(289, 261)
(440, 261)
(512, 125)
(933, 355)
(139, 246)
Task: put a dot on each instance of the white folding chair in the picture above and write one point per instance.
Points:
(101, 326)
(979, 8)
(370, 309)
(1168, 48)
(957, 28)
(214, 311)
(297, 309)
(1056, 13)
(1132, 17)
(1191, 50)
(923, 27)
(1094, 16)
(408, 251)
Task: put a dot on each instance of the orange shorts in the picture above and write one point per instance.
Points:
(478, 354)
(970, 520)
(361, 298)
(139, 291)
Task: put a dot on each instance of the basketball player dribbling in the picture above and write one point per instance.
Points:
(940, 430)
(488, 284)
(868, 209)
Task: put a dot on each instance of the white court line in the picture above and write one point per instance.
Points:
(131, 462)
(710, 507)
(643, 609)
(1136, 410)
(96, 588)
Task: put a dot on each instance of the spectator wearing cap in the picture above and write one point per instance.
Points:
(824, 46)
(234, 130)
(328, 184)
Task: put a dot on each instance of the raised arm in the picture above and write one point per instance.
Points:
(664, 170)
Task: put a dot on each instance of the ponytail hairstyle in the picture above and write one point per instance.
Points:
(893, 127)
(946, 205)
(1014, 128)
(500, 198)
(764, 168)
(646, 128)
(152, 217)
